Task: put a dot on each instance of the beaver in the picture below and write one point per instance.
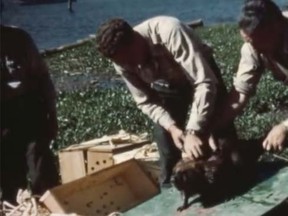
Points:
(221, 170)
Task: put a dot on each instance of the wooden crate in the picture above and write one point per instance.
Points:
(73, 159)
(117, 188)
(91, 156)
(103, 156)
(72, 164)
(148, 158)
(152, 169)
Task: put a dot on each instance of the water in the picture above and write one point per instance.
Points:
(52, 25)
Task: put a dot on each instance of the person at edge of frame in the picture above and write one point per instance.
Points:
(264, 30)
(168, 69)
(28, 117)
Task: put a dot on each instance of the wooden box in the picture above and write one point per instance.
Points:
(72, 163)
(103, 156)
(79, 160)
(117, 188)
(148, 158)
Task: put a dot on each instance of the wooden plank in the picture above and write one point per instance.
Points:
(72, 165)
(87, 144)
(50, 200)
(126, 155)
(120, 138)
(118, 148)
(117, 188)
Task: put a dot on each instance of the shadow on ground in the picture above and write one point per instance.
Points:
(242, 183)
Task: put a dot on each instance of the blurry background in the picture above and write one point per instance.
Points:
(52, 25)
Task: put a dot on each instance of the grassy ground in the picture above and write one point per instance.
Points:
(92, 100)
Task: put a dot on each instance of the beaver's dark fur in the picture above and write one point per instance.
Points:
(220, 171)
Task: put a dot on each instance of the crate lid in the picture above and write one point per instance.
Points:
(122, 137)
(118, 147)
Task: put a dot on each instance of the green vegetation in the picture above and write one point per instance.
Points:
(82, 59)
(90, 111)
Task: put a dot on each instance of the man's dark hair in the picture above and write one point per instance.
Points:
(112, 35)
(259, 13)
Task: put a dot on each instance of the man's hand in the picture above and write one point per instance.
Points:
(275, 138)
(193, 146)
(177, 136)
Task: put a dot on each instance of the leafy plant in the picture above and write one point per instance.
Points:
(91, 113)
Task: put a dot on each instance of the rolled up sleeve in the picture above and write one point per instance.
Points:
(285, 122)
(249, 71)
(184, 46)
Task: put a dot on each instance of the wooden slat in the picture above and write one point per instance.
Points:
(117, 139)
(118, 148)
(72, 165)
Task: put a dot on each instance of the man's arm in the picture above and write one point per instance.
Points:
(149, 105)
(145, 99)
(185, 48)
(234, 105)
(247, 77)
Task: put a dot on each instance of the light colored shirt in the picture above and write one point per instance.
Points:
(179, 57)
(286, 123)
(252, 65)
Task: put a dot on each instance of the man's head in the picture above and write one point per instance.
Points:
(117, 40)
(261, 24)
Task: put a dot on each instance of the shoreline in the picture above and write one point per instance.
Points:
(46, 52)
(193, 24)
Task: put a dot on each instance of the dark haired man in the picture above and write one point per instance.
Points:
(28, 116)
(167, 69)
(265, 32)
